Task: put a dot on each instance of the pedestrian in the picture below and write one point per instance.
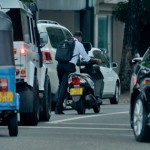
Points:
(64, 69)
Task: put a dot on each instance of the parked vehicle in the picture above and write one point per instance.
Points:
(140, 98)
(51, 33)
(9, 99)
(112, 86)
(32, 78)
(81, 86)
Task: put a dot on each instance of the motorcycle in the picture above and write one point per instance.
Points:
(81, 89)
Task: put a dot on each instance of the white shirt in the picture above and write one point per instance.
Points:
(79, 49)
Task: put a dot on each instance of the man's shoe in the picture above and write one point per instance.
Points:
(99, 100)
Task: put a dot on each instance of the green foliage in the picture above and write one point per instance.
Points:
(120, 11)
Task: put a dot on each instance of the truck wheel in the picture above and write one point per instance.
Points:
(35, 114)
(13, 125)
(46, 101)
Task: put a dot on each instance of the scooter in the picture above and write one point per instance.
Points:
(81, 90)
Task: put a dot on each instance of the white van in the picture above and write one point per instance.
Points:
(51, 33)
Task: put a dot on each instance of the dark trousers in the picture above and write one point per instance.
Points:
(63, 70)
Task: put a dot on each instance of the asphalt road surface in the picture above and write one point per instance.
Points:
(108, 130)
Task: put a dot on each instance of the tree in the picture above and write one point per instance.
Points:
(135, 14)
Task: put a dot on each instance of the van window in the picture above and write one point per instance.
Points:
(25, 27)
(55, 35)
(15, 16)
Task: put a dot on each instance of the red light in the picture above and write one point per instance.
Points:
(75, 80)
(17, 71)
(22, 51)
(3, 85)
(46, 56)
(134, 80)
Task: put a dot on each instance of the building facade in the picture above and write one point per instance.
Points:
(93, 17)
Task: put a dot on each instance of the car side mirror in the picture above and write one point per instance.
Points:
(43, 39)
(135, 60)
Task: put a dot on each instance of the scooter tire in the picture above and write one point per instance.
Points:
(96, 108)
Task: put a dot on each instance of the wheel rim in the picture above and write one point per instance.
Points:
(138, 117)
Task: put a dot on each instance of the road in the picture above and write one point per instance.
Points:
(108, 130)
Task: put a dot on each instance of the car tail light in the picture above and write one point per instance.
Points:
(146, 82)
(134, 79)
(47, 56)
(3, 85)
(75, 80)
(23, 51)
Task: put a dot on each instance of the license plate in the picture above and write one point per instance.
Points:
(6, 96)
(76, 91)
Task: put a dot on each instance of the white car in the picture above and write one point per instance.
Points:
(111, 80)
(51, 33)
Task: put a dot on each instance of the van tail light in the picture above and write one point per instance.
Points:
(47, 56)
(3, 85)
(75, 80)
(23, 51)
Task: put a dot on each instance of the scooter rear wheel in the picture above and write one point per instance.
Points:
(80, 106)
(96, 108)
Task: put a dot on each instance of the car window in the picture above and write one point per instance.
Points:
(100, 55)
(67, 34)
(146, 59)
(55, 35)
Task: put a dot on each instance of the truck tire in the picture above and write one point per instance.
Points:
(32, 118)
(13, 125)
(46, 101)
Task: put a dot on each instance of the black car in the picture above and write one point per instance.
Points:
(140, 98)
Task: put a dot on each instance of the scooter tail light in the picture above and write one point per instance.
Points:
(3, 85)
(75, 80)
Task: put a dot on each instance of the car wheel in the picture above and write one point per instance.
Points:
(140, 128)
(115, 99)
(46, 101)
(96, 108)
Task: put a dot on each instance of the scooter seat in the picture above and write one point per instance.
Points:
(80, 74)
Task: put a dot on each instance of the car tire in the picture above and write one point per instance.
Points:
(140, 128)
(46, 101)
(115, 99)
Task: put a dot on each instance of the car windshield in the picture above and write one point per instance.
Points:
(100, 55)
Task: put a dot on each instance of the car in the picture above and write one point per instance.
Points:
(140, 97)
(112, 86)
(51, 33)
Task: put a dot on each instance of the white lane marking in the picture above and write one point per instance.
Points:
(74, 128)
(88, 116)
(87, 123)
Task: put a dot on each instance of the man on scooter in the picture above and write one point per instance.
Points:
(64, 69)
